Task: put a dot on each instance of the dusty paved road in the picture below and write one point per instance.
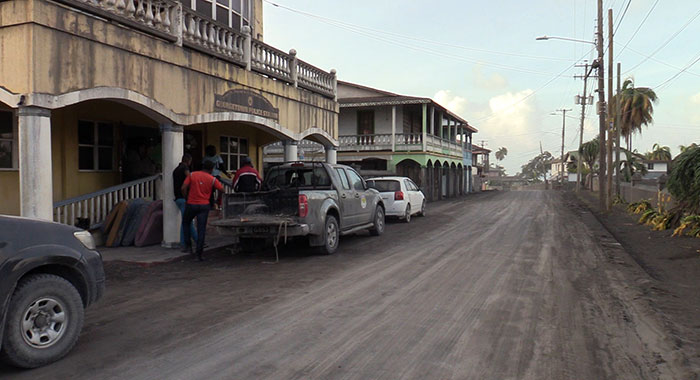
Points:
(512, 285)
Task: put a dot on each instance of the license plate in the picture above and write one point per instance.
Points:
(261, 229)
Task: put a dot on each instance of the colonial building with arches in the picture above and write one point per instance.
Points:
(385, 133)
(99, 99)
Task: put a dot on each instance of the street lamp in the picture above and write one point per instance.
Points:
(601, 100)
(545, 38)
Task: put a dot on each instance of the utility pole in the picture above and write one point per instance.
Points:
(611, 73)
(544, 169)
(602, 119)
(583, 101)
(617, 134)
(563, 130)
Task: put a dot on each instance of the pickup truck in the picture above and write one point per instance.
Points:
(315, 200)
(49, 273)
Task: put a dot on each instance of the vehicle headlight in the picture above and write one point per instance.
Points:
(86, 238)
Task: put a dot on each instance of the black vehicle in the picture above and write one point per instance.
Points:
(49, 273)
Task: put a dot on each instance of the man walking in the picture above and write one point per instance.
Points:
(198, 188)
(247, 179)
(179, 175)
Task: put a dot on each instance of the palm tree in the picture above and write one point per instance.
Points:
(683, 148)
(589, 154)
(636, 108)
(660, 153)
(501, 153)
(633, 163)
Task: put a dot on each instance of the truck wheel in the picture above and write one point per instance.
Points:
(43, 321)
(331, 236)
(378, 227)
(407, 214)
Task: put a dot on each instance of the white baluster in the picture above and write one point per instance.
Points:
(166, 17)
(158, 19)
(110, 3)
(191, 27)
(212, 32)
(149, 12)
(140, 10)
(121, 4)
(130, 8)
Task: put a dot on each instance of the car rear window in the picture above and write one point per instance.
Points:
(384, 185)
(297, 177)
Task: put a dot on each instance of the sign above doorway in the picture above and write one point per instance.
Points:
(246, 101)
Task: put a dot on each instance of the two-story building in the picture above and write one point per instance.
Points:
(100, 98)
(386, 133)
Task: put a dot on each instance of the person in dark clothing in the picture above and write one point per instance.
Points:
(197, 188)
(247, 179)
(179, 175)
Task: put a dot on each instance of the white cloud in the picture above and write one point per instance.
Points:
(512, 113)
(494, 81)
(454, 103)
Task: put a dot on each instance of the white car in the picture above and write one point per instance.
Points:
(402, 198)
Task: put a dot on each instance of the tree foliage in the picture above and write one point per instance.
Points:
(660, 153)
(537, 167)
(632, 163)
(636, 107)
(501, 153)
(684, 180)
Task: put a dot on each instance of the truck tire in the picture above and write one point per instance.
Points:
(43, 321)
(378, 227)
(331, 236)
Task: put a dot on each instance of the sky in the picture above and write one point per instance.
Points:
(480, 59)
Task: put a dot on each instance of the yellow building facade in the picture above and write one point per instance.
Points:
(89, 87)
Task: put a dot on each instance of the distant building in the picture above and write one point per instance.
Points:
(656, 168)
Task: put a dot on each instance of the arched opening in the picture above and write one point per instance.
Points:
(411, 169)
(9, 158)
(460, 179)
(453, 180)
(429, 180)
(439, 181)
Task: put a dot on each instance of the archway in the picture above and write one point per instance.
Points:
(429, 180)
(438, 181)
(460, 179)
(411, 169)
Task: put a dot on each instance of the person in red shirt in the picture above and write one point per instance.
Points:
(247, 179)
(197, 189)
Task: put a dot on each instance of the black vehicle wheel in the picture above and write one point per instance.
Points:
(331, 236)
(407, 214)
(43, 321)
(422, 209)
(378, 227)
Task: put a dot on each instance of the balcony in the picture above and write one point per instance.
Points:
(402, 142)
(169, 20)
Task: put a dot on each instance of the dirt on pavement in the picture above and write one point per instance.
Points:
(671, 287)
(502, 285)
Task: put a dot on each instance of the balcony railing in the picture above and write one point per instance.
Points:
(169, 20)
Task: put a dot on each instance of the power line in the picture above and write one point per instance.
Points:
(619, 22)
(663, 45)
(659, 61)
(338, 23)
(689, 65)
(640, 26)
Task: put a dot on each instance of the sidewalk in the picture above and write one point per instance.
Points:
(155, 254)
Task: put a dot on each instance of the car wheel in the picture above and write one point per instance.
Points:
(422, 209)
(378, 227)
(43, 321)
(407, 214)
(331, 236)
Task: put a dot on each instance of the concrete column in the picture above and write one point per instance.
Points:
(291, 150)
(173, 147)
(432, 121)
(393, 128)
(35, 170)
(331, 155)
(425, 127)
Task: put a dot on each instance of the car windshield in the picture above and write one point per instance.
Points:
(384, 185)
(297, 177)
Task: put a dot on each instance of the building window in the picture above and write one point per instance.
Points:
(650, 166)
(231, 151)
(95, 146)
(365, 122)
(8, 143)
(234, 13)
